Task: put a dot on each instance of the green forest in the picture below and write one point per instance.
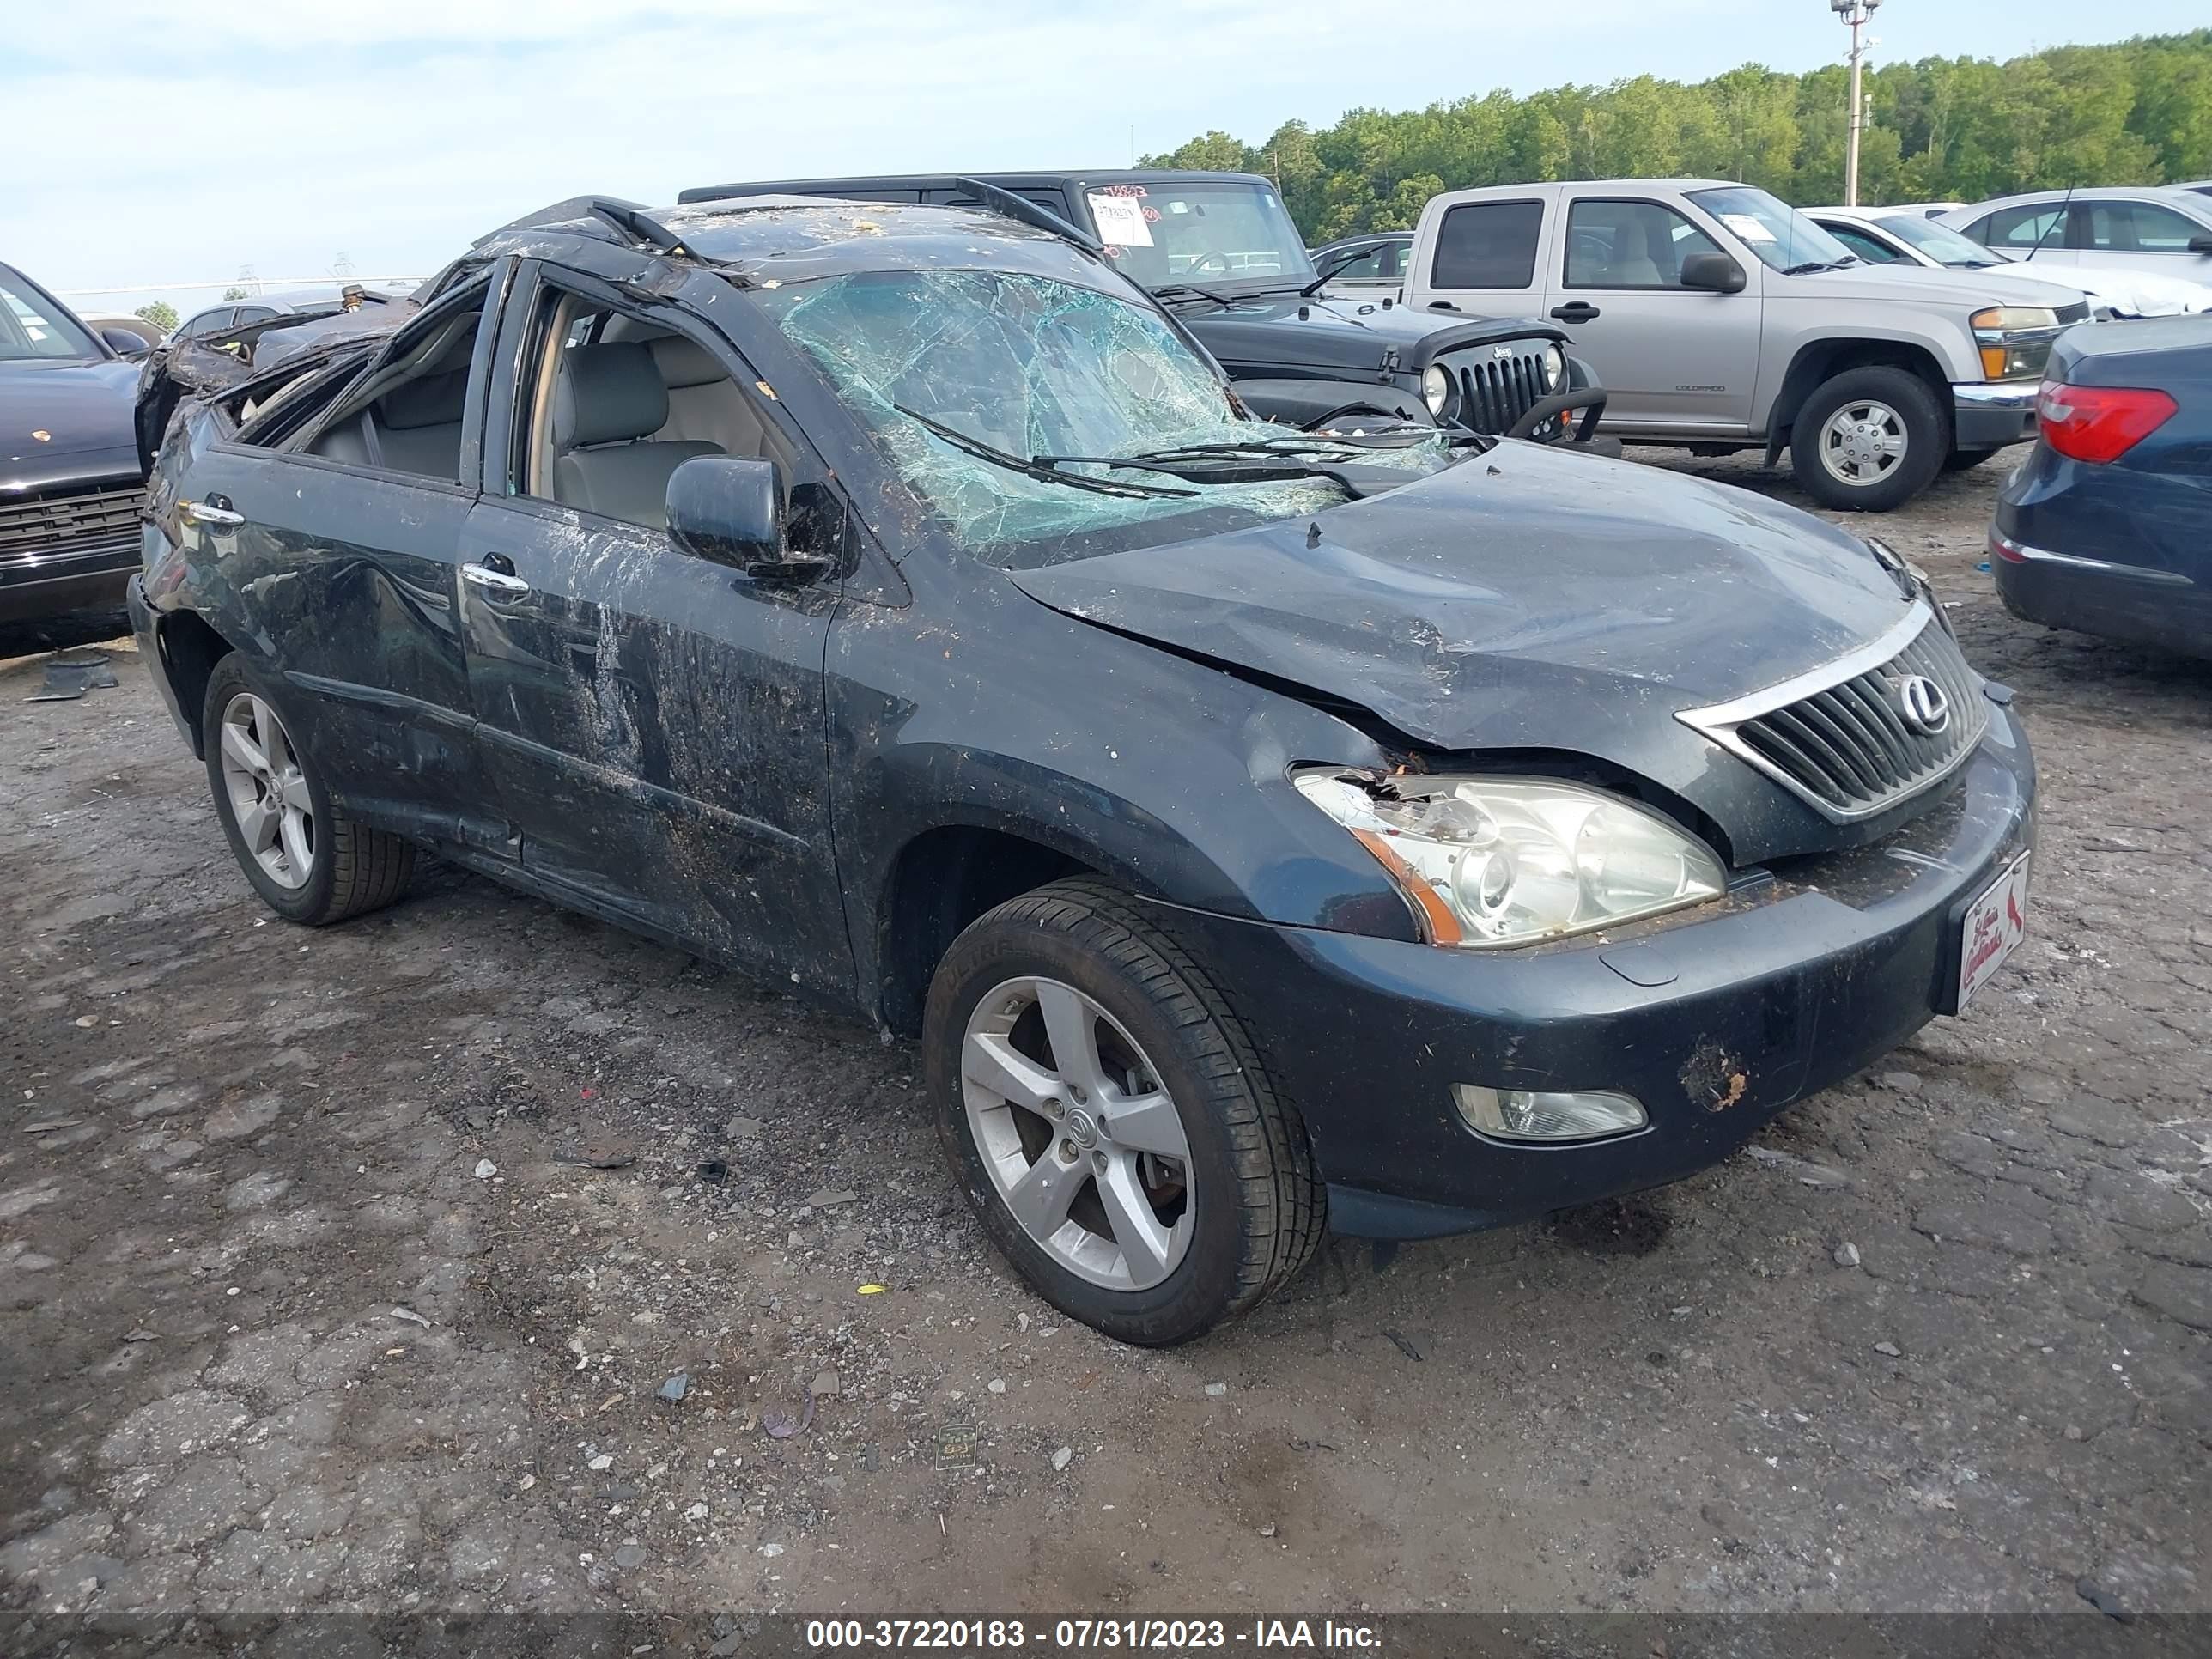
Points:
(2138, 113)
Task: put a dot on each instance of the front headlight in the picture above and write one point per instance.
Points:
(2015, 341)
(2009, 318)
(1555, 368)
(1436, 389)
(1494, 861)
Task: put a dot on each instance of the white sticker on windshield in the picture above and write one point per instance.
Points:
(1120, 220)
(1747, 227)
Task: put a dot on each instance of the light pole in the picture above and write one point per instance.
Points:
(1859, 14)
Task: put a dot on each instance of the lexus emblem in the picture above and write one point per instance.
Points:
(1921, 701)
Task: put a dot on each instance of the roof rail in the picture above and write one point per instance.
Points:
(1020, 207)
(627, 217)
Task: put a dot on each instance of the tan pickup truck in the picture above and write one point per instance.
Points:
(1720, 318)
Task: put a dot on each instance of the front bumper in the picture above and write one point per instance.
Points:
(33, 597)
(1990, 415)
(69, 534)
(1715, 1025)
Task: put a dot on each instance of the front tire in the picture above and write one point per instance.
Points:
(308, 862)
(1868, 440)
(1110, 1119)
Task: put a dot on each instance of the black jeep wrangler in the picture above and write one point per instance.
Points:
(1219, 248)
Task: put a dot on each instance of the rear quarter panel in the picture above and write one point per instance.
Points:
(2152, 507)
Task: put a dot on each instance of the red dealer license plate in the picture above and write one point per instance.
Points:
(1995, 924)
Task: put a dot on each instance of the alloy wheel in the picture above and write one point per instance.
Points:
(1077, 1133)
(1862, 443)
(268, 791)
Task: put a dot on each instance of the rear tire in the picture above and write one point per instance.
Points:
(308, 862)
(1223, 1224)
(1868, 440)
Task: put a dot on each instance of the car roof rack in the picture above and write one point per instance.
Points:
(629, 218)
(1020, 207)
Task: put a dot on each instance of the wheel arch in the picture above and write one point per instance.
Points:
(1817, 362)
(940, 880)
(190, 648)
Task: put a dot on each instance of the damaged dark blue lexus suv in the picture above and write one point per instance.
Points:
(1385, 828)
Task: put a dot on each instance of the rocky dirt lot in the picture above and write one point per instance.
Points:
(350, 1269)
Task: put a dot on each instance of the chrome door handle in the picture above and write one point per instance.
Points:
(201, 512)
(497, 581)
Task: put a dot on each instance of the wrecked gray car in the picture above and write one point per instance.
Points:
(1262, 831)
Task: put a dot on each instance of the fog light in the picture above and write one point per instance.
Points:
(1519, 1114)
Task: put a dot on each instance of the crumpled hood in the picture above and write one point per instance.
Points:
(80, 403)
(1523, 600)
(1354, 336)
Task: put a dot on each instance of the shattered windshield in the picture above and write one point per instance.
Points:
(1002, 399)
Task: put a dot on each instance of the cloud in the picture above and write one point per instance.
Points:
(243, 146)
(182, 141)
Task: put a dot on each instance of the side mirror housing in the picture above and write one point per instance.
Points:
(727, 511)
(123, 343)
(1714, 272)
(2201, 244)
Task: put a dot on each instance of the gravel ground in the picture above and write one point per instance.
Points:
(313, 1291)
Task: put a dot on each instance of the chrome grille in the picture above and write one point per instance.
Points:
(1491, 391)
(1842, 739)
(69, 524)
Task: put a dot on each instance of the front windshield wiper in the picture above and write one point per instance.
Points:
(1031, 469)
(1233, 465)
(1403, 435)
(1270, 461)
(1190, 290)
(1811, 265)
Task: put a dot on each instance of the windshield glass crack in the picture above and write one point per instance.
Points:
(968, 377)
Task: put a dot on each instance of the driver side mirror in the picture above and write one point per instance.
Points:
(2201, 244)
(726, 510)
(1716, 273)
(125, 344)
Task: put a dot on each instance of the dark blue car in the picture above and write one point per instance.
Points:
(2107, 528)
(70, 482)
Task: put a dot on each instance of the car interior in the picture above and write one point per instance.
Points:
(406, 417)
(617, 406)
(1629, 244)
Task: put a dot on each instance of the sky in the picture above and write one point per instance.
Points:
(186, 141)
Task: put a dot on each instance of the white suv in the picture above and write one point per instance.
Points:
(1720, 318)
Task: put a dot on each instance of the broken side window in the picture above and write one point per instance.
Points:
(406, 413)
(272, 409)
(968, 377)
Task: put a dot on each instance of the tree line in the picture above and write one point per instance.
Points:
(1966, 128)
